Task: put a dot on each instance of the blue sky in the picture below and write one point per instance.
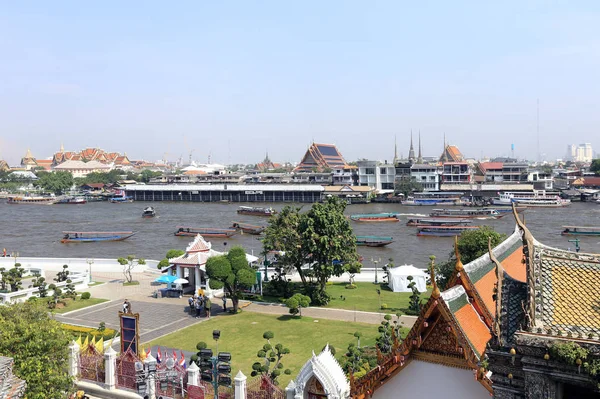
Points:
(234, 79)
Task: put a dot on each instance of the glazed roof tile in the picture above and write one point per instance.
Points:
(566, 290)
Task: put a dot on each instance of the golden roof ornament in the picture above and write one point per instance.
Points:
(435, 292)
(459, 265)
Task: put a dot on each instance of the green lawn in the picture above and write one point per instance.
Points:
(241, 335)
(365, 298)
(79, 304)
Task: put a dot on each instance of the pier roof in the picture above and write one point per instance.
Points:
(225, 187)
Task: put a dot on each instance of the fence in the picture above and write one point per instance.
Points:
(263, 388)
(91, 364)
(171, 382)
(126, 374)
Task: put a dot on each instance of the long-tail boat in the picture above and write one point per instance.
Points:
(427, 222)
(95, 236)
(375, 217)
(467, 213)
(373, 241)
(204, 232)
(248, 228)
(443, 231)
(580, 231)
(149, 212)
(256, 211)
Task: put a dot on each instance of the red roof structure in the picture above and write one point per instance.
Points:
(451, 154)
(319, 157)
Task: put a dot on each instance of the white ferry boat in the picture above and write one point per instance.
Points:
(22, 200)
(537, 198)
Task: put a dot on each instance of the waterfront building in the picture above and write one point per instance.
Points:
(541, 180)
(456, 173)
(351, 194)
(320, 157)
(81, 168)
(380, 176)
(28, 162)
(491, 171)
(345, 176)
(426, 175)
(324, 178)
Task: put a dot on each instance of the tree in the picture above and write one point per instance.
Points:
(389, 331)
(171, 253)
(232, 273)
(358, 334)
(414, 304)
(70, 290)
(296, 302)
(13, 278)
(595, 167)
(328, 242)
(40, 283)
(352, 269)
(63, 275)
(55, 182)
(407, 187)
(39, 347)
(471, 245)
(146, 175)
(128, 264)
(271, 366)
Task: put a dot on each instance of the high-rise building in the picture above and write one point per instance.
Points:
(580, 153)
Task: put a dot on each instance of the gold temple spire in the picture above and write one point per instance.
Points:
(459, 265)
(435, 292)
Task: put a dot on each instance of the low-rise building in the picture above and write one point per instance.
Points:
(345, 176)
(82, 169)
(378, 175)
(427, 176)
(456, 173)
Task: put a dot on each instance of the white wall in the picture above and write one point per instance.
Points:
(75, 264)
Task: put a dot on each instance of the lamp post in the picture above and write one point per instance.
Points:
(375, 262)
(15, 255)
(577, 247)
(90, 262)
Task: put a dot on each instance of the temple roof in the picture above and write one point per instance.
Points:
(566, 290)
(451, 154)
(320, 156)
(469, 321)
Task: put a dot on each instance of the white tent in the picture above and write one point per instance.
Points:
(398, 278)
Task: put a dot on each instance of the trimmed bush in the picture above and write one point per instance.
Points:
(86, 295)
(384, 306)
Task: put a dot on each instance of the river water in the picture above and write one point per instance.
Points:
(36, 230)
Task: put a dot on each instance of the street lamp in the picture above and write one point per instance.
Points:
(375, 262)
(15, 255)
(90, 262)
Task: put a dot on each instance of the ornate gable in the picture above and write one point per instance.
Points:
(322, 373)
(319, 157)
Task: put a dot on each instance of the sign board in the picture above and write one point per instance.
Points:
(130, 331)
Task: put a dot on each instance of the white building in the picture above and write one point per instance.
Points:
(380, 176)
(580, 153)
(82, 169)
(426, 175)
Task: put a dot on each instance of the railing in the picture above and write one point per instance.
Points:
(79, 280)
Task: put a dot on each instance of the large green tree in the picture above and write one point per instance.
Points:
(595, 167)
(328, 242)
(39, 347)
(171, 253)
(55, 182)
(471, 245)
(407, 187)
(232, 273)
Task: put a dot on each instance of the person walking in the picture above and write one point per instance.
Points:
(224, 299)
(198, 306)
(191, 304)
(207, 307)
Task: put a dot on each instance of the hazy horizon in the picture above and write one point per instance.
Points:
(235, 80)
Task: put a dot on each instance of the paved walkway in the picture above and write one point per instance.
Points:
(325, 313)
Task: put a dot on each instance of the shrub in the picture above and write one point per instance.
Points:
(86, 295)
(568, 352)
(351, 286)
(384, 306)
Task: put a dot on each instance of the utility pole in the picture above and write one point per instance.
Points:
(215, 369)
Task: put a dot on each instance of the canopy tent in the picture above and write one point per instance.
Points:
(166, 279)
(398, 278)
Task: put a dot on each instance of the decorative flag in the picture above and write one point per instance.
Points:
(175, 356)
(100, 345)
(148, 352)
(182, 361)
(85, 343)
(158, 356)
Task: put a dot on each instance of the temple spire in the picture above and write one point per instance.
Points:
(459, 265)
(62, 147)
(420, 157)
(411, 152)
(395, 150)
(435, 292)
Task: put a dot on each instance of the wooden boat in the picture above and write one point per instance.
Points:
(95, 236)
(467, 213)
(256, 211)
(120, 200)
(373, 241)
(443, 231)
(26, 200)
(580, 231)
(505, 209)
(149, 212)
(425, 222)
(73, 201)
(433, 198)
(248, 228)
(375, 217)
(204, 232)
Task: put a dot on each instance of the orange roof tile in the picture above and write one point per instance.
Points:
(513, 265)
(485, 289)
(473, 327)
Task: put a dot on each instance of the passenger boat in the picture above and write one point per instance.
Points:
(373, 241)
(95, 236)
(467, 213)
(204, 232)
(73, 201)
(537, 198)
(21, 200)
(580, 231)
(256, 211)
(120, 200)
(505, 209)
(149, 212)
(375, 217)
(248, 228)
(431, 198)
(443, 231)
(426, 222)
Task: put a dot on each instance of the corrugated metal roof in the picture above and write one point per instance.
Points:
(225, 187)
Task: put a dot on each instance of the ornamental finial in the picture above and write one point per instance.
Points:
(459, 265)
(435, 292)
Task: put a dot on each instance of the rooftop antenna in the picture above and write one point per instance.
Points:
(538, 131)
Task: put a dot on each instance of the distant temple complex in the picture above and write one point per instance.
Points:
(320, 157)
(90, 154)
